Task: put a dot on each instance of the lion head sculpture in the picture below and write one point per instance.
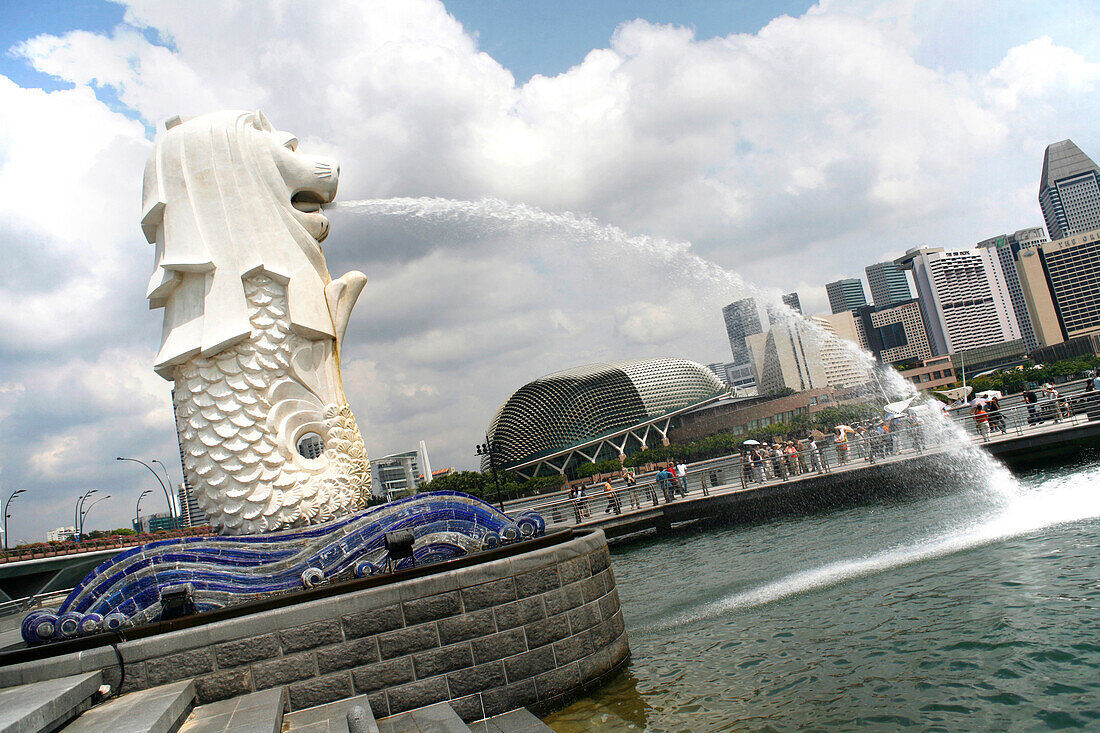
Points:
(226, 195)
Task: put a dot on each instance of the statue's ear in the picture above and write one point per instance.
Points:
(263, 123)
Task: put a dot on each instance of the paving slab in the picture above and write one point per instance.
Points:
(155, 710)
(45, 706)
(328, 718)
(438, 718)
(256, 712)
(520, 720)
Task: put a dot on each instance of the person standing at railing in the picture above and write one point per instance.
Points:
(613, 503)
(681, 477)
(815, 455)
(981, 418)
(664, 481)
(631, 491)
(840, 442)
(1031, 401)
(574, 499)
(996, 418)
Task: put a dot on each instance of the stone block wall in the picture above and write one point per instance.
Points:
(524, 631)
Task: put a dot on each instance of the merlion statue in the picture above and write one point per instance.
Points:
(253, 323)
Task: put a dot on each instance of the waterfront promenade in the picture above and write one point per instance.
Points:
(722, 490)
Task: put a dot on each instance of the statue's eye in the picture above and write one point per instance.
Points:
(291, 143)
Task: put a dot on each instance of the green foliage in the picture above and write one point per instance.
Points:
(591, 469)
(1011, 381)
(468, 482)
(482, 485)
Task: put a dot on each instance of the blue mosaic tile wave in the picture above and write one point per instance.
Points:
(222, 571)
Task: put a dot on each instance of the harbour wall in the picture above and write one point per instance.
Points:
(529, 630)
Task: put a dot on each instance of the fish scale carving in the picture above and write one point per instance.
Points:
(245, 476)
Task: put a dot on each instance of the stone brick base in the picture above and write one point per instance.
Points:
(524, 631)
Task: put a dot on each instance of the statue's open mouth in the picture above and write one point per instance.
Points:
(308, 202)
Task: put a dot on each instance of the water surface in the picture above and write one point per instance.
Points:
(974, 611)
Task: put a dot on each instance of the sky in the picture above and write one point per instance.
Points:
(546, 185)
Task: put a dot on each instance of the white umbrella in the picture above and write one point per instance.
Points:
(751, 442)
(990, 394)
(896, 408)
(957, 394)
(845, 428)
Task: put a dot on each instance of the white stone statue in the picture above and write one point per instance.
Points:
(253, 323)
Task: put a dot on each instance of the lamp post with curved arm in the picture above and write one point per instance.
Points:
(79, 513)
(167, 497)
(14, 494)
(137, 509)
(178, 507)
(85, 512)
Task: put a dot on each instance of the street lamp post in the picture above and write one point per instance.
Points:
(79, 513)
(486, 449)
(167, 497)
(14, 494)
(137, 509)
(85, 512)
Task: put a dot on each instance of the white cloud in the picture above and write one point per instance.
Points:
(794, 155)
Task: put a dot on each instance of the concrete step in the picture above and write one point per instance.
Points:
(438, 718)
(156, 710)
(520, 720)
(329, 718)
(256, 712)
(46, 706)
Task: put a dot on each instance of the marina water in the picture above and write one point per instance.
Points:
(967, 611)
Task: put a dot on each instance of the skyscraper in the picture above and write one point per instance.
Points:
(846, 295)
(963, 297)
(1007, 248)
(791, 301)
(1072, 267)
(1069, 191)
(742, 319)
(889, 285)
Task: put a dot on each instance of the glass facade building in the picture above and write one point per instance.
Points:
(846, 295)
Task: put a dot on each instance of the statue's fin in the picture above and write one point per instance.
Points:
(341, 295)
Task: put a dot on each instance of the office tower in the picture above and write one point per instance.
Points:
(896, 333)
(1069, 191)
(1072, 267)
(190, 513)
(963, 298)
(1007, 248)
(889, 285)
(791, 301)
(742, 319)
(1040, 304)
(733, 375)
(845, 295)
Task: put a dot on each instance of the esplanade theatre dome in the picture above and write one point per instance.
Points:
(575, 406)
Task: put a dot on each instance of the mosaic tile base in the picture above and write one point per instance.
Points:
(222, 571)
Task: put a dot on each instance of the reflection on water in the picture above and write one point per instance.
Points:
(974, 611)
